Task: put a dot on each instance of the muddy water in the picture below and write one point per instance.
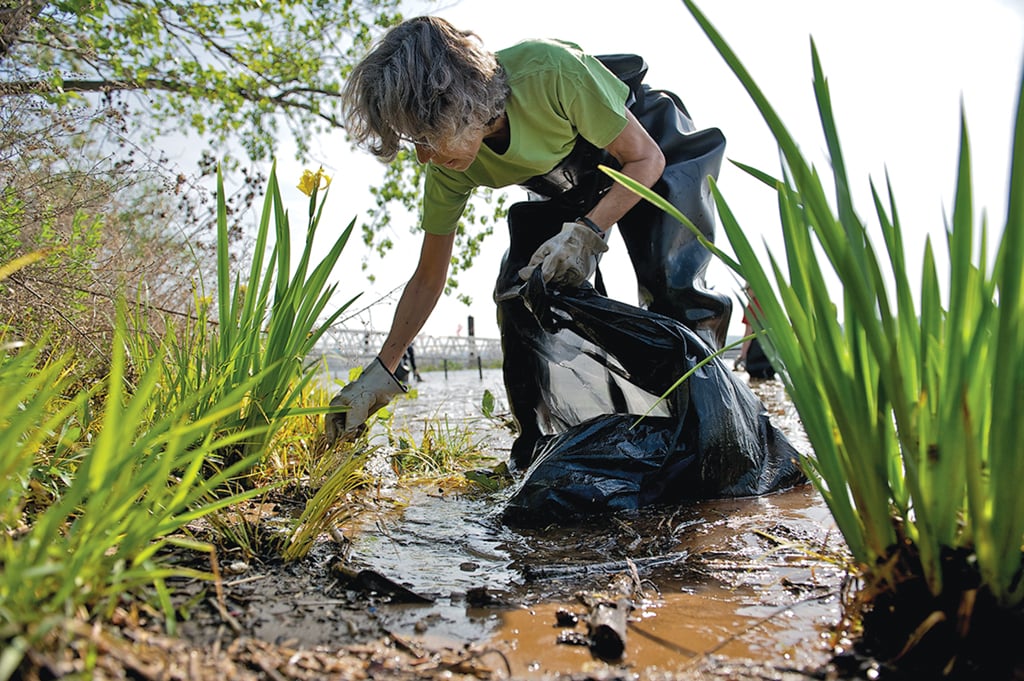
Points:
(719, 581)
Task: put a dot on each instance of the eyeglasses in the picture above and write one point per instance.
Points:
(421, 142)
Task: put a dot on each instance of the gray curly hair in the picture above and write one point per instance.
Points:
(425, 80)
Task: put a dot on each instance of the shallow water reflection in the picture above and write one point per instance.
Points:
(735, 578)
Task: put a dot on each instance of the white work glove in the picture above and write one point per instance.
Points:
(364, 396)
(568, 258)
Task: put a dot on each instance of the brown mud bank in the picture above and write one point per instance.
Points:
(430, 584)
(722, 590)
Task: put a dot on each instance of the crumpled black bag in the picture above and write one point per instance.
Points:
(606, 363)
(669, 261)
(757, 363)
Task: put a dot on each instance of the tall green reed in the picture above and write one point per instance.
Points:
(267, 322)
(32, 413)
(909, 402)
(137, 486)
(141, 470)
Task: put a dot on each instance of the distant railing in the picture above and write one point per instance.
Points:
(346, 348)
(343, 349)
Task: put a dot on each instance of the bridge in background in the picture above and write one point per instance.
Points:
(343, 349)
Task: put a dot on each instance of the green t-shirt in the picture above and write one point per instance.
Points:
(557, 93)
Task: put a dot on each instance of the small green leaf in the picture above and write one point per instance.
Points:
(487, 404)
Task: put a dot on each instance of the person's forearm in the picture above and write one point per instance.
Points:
(414, 308)
(619, 200)
(419, 297)
(641, 159)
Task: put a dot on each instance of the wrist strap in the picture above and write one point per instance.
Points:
(584, 220)
(389, 373)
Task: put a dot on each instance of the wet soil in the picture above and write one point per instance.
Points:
(739, 588)
(429, 584)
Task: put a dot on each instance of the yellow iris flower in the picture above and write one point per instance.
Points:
(310, 181)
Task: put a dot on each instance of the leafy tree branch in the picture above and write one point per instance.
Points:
(226, 69)
(232, 73)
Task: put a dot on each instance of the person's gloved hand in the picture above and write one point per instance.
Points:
(569, 257)
(364, 396)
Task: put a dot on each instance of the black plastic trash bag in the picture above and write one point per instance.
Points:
(581, 368)
(757, 363)
(605, 363)
(669, 261)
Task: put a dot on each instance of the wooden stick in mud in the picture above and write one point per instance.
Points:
(607, 626)
(609, 614)
(535, 572)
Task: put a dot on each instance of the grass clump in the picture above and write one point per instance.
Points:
(107, 482)
(125, 502)
(266, 323)
(444, 448)
(908, 398)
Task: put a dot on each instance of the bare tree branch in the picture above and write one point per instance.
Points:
(15, 17)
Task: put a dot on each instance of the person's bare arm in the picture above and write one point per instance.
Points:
(419, 297)
(641, 159)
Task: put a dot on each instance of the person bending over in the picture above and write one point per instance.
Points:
(519, 116)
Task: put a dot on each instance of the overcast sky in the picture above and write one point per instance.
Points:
(898, 71)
